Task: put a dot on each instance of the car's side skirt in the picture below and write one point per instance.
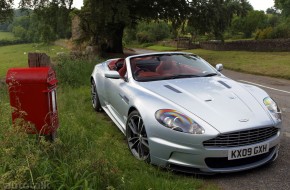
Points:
(109, 111)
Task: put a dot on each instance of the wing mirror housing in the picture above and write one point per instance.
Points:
(112, 74)
(219, 67)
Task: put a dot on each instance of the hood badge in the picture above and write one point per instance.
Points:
(244, 120)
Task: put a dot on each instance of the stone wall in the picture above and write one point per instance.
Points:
(249, 45)
(179, 44)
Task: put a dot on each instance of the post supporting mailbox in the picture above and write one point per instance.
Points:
(32, 94)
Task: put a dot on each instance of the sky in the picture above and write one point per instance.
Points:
(257, 4)
(261, 4)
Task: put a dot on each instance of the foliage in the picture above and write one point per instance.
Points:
(272, 10)
(4, 26)
(215, 16)
(280, 31)
(6, 11)
(152, 31)
(41, 20)
(248, 24)
(67, 65)
(103, 21)
(283, 5)
(129, 34)
(264, 33)
(12, 42)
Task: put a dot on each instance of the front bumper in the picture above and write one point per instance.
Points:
(196, 158)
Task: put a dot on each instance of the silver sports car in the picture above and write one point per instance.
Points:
(178, 111)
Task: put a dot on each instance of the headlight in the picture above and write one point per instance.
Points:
(178, 122)
(273, 108)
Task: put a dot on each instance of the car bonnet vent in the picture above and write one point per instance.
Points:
(225, 84)
(172, 88)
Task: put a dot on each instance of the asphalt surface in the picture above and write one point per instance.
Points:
(275, 175)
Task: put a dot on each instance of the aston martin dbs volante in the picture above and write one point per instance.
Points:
(178, 111)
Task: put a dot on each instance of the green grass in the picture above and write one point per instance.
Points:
(161, 48)
(150, 46)
(7, 36)
(275, 64)
(90, 153)
(17, 55)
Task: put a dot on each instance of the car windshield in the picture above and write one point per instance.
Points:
(169, 66)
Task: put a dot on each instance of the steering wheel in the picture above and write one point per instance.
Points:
(136, 73)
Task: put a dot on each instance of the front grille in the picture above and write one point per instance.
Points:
(225, 163)
(242, 138)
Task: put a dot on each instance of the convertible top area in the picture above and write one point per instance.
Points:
(161, 66)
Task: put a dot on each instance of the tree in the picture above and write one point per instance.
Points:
(6, 11)
(50, 18)
(272, 10)
(103, 21)
(214, 16)
(249, 24)
(283, 5)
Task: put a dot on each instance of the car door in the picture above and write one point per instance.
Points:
(118, 98)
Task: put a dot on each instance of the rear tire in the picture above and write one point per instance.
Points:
(95, 98)
(137, 137)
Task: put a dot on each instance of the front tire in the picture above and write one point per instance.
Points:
(137, 137)
(95, 98)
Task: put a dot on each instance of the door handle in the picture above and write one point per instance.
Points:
(124, 98)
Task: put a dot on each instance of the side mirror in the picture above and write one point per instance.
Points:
(112, 74)
(219, 67)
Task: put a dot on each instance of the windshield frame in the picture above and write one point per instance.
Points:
(154, 58)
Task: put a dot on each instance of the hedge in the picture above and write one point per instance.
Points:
(12, 42)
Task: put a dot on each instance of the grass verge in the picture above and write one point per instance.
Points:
(17, 55)
(274, 64)
(161, 48)
(90, 153)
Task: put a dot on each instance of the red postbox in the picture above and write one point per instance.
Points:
(32, 94)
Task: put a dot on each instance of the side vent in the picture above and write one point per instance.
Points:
(172, 88)
(225, 84)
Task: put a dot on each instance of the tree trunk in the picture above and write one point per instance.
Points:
(115, 40)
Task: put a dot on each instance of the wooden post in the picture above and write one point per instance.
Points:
(38, 60)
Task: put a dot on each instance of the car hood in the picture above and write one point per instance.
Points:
(221, 102)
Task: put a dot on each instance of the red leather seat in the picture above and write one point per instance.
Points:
(147, 74)
(167, 67)
(123, 70)
(112, 64)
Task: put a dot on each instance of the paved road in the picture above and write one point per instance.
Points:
(277, 174)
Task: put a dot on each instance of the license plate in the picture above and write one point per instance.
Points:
(248, 151)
